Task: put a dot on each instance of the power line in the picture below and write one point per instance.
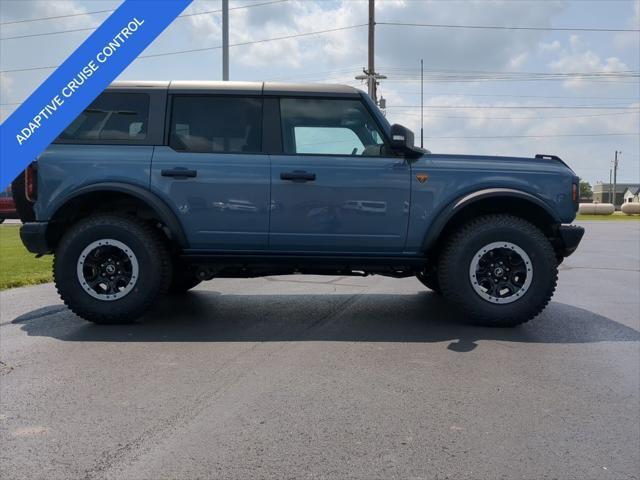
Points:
(448, 77)
(27, 20)
(184, 15)
(516, 75)
(253, 42)
(347, 71)
(479, 137)
(410, 72)
(526, 107)
(545, 117)
(617, 80)
(461, 76)
(417, 70)
(472, 94)
(30, 69)
(48, 33)
(501, 27)
(217, 47)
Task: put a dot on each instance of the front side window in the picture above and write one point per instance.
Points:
(329, 127)
(111, 116)
(209, 124)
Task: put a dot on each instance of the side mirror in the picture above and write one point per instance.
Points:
(401, 138)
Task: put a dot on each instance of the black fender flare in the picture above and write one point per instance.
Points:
(159, 206)
(448, 212)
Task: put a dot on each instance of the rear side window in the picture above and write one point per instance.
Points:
(208, 124)
(112, 116)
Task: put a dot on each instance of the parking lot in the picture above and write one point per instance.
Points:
(331, 377)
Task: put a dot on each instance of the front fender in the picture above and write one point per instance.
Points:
(449, 211)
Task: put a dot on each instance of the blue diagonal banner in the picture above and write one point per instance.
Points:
(80, 79)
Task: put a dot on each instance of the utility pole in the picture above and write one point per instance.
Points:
(225, 40)
(610, 185)
(370, 74)
(615, 176)
(421, 103)
(372, 46)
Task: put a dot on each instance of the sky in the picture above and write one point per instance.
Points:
(575, 94)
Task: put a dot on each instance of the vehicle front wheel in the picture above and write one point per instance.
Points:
(111, 268)
(499, 269)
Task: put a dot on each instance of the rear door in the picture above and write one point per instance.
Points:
(213, 172)
(334, 189)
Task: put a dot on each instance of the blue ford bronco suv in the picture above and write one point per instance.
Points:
(158, 186)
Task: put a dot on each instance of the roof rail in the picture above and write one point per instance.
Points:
(548, 157)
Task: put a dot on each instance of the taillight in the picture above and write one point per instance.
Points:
(31, 183)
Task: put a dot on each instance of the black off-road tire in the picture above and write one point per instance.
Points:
(429, 278)
(151, 252)
(455, 262)
(184, 277)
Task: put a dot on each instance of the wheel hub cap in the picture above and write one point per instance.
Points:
(501, 272)
(107, 269)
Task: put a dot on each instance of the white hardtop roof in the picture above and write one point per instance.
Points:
(197, 86)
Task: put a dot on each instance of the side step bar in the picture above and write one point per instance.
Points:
(199, 256)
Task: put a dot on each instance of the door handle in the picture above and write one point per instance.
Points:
(298, 176)
(178, 173)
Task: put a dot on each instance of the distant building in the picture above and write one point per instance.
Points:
(632, 195)
(602, 192)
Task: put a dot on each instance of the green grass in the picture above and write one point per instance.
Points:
(18, 267)
(615, 217)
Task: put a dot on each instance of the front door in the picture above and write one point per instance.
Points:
(334, 189)
(213, 173)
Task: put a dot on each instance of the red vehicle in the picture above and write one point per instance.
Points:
(7, 205)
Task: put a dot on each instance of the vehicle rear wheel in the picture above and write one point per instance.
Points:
(499, 269)
(1, 220)
(111, 268)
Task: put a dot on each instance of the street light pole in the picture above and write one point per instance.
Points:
(615, 176)
(225, 40)
(421, 103)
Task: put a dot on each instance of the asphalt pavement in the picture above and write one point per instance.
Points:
(330, 377)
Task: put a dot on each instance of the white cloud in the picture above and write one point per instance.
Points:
(518, 61)
(6, 84)
(630, 40)
(549, 47)
(452, 48)
(338, 56)
(21, 10)
(6, 92)
(578, 59)
(289, 18)
(442, 47)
